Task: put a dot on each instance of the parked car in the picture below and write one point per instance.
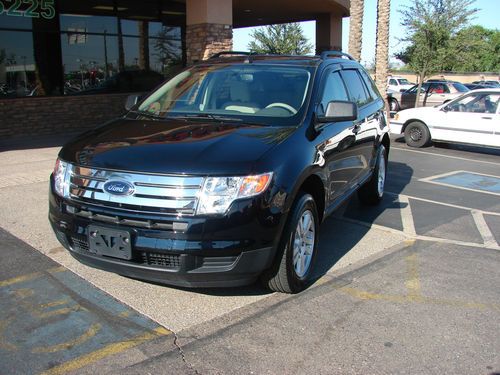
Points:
(224, 173)
(490, 83)
(431, 94)
(477, 86)
(472, 118)
(398, 84)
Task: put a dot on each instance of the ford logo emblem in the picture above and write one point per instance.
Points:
(116, 187)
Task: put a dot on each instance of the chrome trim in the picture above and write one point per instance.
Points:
(169, 194)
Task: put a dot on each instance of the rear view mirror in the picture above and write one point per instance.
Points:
(132, 100)
(340, 111)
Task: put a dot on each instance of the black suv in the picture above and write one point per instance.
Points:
(224, 173)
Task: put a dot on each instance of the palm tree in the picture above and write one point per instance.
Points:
(382, 45)
(356, 28)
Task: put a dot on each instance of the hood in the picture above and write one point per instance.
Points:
(175, 146)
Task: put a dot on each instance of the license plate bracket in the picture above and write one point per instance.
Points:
(110, 242)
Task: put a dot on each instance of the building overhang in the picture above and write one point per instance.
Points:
(248, 13)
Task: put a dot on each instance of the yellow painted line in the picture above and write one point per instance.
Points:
(361, 294)
(91, 332)
(29, 276)
(63, 311)
(55, 303)
(413, 281)
(111, 349)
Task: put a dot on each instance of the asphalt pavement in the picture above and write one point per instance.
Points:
(406, 287)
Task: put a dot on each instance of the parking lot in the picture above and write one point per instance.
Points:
(406, 287)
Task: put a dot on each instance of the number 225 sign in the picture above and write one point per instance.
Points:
(28, 8)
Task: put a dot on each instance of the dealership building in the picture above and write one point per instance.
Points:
(54, 51)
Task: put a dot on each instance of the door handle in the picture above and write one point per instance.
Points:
(487, 117)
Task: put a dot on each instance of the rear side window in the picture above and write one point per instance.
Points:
(372, 88)
(334, 90)
(460, 87)
(355, 86)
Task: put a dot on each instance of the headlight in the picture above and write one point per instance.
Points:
(218, 193)
(61, 177)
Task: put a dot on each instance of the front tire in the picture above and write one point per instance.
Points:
(293, 265)
(372, 192)
(417, 134)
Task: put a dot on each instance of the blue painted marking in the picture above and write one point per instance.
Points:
(472, 181)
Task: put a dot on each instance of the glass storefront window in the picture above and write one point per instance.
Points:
(87, 37)
(17, 68)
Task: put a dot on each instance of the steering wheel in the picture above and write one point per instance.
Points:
(284, 106)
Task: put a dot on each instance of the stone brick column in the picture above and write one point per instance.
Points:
(208, 28)
(328, 33)
(205, 39)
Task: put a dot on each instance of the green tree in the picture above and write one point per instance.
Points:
(430, 25)
(474, 49)
(168, 51)
(282, 39)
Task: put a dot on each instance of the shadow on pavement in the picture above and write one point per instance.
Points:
(339, 236)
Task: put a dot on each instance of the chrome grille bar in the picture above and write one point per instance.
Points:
(174, 194)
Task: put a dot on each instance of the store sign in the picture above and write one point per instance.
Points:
(28, 8)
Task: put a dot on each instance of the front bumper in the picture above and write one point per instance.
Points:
(187, 251)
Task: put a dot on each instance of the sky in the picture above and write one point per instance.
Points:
(487, 16)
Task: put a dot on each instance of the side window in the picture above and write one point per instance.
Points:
(355, 86)
(372, 88)
(476, 103)
(393, 82)
(334, 90)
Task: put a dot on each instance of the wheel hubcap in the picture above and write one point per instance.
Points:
(303, 243)
(415, 134)
(381, 174)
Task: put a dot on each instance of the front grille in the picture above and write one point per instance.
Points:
(162, 260)
(152, 193)
(81, 244)
(121, 217)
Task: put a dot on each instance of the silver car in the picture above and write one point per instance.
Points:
(431, 94)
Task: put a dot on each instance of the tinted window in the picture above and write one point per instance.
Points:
(334, 90)
(393, 82)
(372, 88)
(460, 88)
(355, 87)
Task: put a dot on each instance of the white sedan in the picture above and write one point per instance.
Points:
(473, 118)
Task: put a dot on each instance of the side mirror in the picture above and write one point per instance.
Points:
(132, 100)
(337, 111)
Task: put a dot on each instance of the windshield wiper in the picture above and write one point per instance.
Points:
(207, 116)
(148, 114)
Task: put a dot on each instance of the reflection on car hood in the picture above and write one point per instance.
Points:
(174, 146)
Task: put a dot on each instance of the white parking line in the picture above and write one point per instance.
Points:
(446, 156)
(484, 229)
(443, 204)
(406, 216)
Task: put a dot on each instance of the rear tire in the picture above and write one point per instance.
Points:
(372, 192)
(417, 134)
(394, 105)
(292, 268)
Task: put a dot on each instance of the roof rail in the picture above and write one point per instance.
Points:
(231, 53)
(327, 54)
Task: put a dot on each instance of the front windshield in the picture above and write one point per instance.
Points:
(264, 94)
